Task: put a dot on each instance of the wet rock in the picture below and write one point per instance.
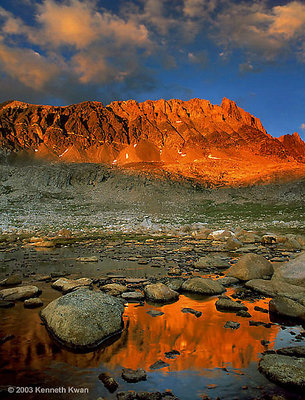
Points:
(228, 281)
(203, 286)
(244, 314)
(58, 274)
(286, 307)
(6, 304)
(202, 233)
(175, 284)
(109, 382)
(174, 271)
(291, 243)
(114, 289)
(211, 261)
(87, 259)
(33, 303)
(232, 325)
(293, 271)
(172, 354)
(251, 266)
(260, 323)
(191, 311)
(133, 296)
(68, 285)
(83, 319)
(131, 375)
(155, 313)
(161, 293)
(159, 364)
(11, 280)
(19, 293)
(224, 304)
(284, 370)
(268, 239)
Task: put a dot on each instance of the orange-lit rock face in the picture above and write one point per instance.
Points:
(203, 342)
(221, 144)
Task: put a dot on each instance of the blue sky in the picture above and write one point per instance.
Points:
(253, 52)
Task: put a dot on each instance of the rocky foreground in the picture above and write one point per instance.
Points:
(230, 266)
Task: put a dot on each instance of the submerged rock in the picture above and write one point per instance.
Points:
(159, 364)
(251, 266)
(83, 319)
(155, 313)
(203, 286)
(160, 293)
(19, 293)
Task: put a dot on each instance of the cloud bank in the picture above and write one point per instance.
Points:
(73, 49)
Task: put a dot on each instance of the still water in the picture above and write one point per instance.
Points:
(213, 360)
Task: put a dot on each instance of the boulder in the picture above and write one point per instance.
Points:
(211, 261)
(275, 287)
(285, 307)
(293, 271)
(175, 284)
(284, 370)
(44, 243)
(203, 286)
(251, 266)
(114, 289)
(221, 235)
(83, 319)
(19, 293)
(67, 285)
(159, 292)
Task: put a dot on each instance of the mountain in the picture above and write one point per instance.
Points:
(195, 139)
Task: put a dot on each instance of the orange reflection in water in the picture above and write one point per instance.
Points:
(203, 342)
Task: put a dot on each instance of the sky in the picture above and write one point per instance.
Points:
(61, 52)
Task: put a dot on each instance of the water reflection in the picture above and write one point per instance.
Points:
(203, 342)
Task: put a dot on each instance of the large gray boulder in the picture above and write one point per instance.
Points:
(251, 266)
(284, 370)
(160, 293)
(293, 271)
(83, 319)
(19, 293)
(203, 286)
